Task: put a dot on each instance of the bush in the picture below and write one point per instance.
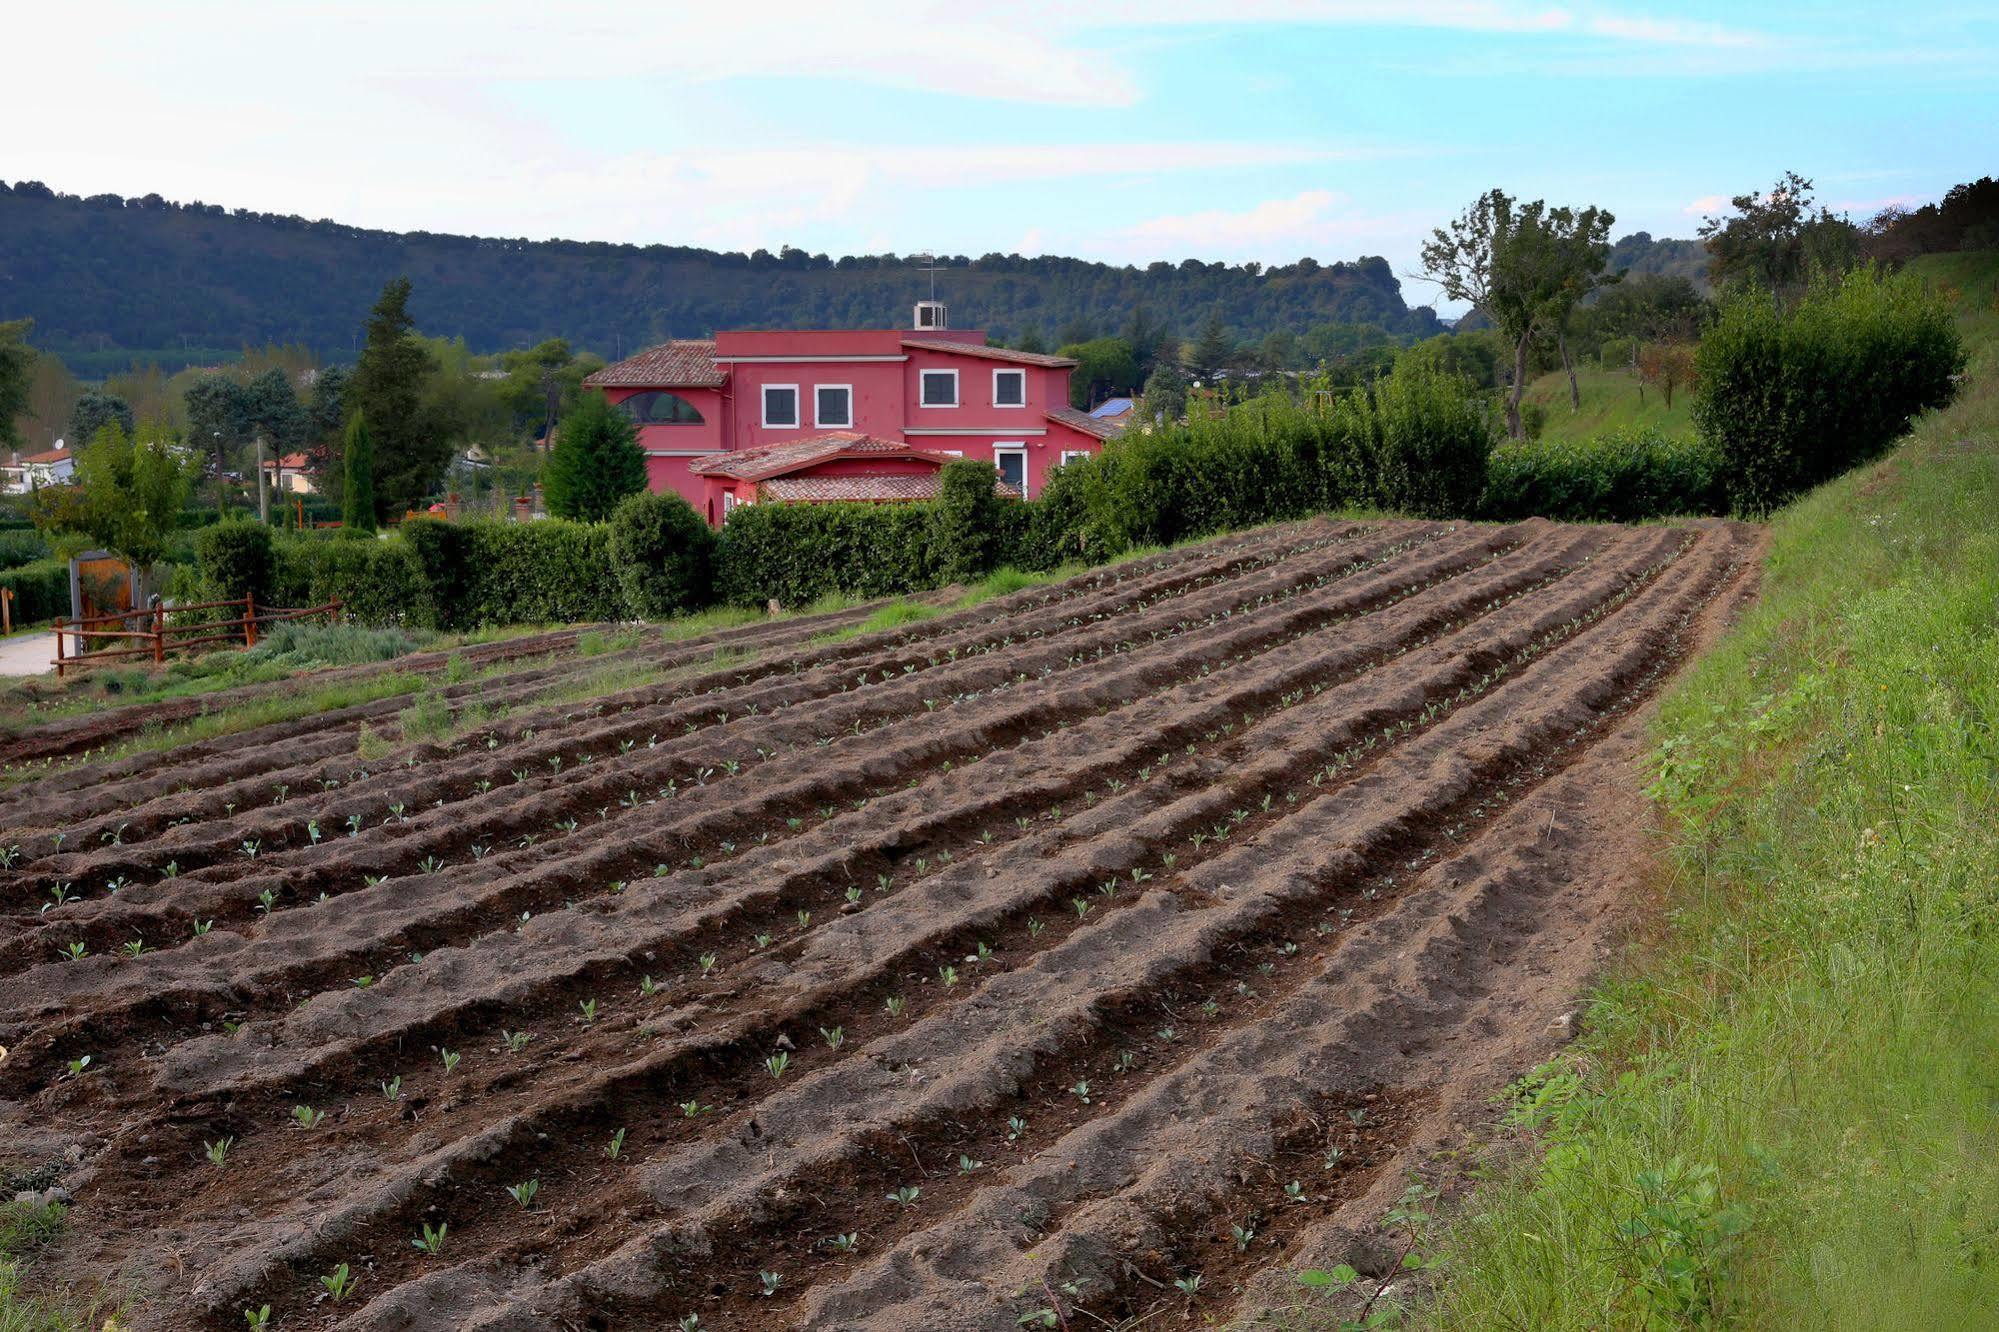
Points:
(41, 590)
(22, 547)
(965, 521)
(1625, 476)
(796, 553)
(1788, 398)
(664, 555)
(543, 572)
(236, 560)
(378, 582)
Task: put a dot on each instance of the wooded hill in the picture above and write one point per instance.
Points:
(109, 280)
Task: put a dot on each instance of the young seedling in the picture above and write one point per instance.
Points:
(906, 1196)
(966, 1165)
(432, 1241)
(306, 1117)
(589, 1010)
(517, 1041)
(218, 1151)
(949, 975)
(777, 1063)
(339, 1283)
(1295, 1192)
(524, 1192)
(76, 952)
(1082, 1091)
(392, 1090)
(648, 986)
(708, 961)
(694, 1109)
(258, 1318)
(616, 1148)
(835, 1038)
(844, 1243)
(1189, 1286)
(1242, 1236)
(450, 1058)
(1016, 1129)
(770, 1282)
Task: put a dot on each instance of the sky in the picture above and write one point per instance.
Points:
(1157, 129)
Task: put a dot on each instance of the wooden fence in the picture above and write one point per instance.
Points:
(163, 635)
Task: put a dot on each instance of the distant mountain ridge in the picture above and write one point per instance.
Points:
(107, 279)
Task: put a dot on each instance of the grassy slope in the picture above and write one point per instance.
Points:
(1610, 402)
(1782, 1113)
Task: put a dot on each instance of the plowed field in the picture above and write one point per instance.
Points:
(1028, 956)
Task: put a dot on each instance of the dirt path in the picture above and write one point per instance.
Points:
(1093, 920)
(27, 653)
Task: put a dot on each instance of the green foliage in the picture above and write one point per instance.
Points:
(1104, 367)
(41, 590)
(412, 445)
(237, 560)
(664, 554)
(17, 364)
(1623, 476)
(126, 495)
(93, 412)
(1789, 397)
(595, 464)
(378, 582)
(357, 496)
(796, 553)
(1805, 1044)
(22, 547)
(1775, 242)
(965, 521)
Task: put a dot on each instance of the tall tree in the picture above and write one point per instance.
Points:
(218, 423)
(94, 411)
(126, 495)
(1103, 366)
(388, 384)
(17, 362)
(1523, 266)
(1775, 240)
(596, 462)
(357, 489)
(1211, 352)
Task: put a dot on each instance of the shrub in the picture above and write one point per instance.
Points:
(596, 462)
(41, 590)
(1788, 398)
(1431, 436)
(529, 573)
(965, 521)
(236, 560)
(664, 555)
(23, 547)
(378, 581)
(796, 553)
(1624, 476)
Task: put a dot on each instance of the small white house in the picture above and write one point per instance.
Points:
(30, 472)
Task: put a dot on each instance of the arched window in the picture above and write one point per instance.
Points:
(660, 408)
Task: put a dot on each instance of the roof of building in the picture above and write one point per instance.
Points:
(1113, 407)
(54, 455)
(778, 459)
(291, 462)
(1094, 426)
(989, 353)
(682, 363)
(890, 486)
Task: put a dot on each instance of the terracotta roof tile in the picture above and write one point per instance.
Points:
(1095, 426)
(892, 487)
(50, 456)
(777, 459)
(684, 363)
(989, 353)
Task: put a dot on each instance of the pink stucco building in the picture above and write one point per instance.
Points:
(854, 414)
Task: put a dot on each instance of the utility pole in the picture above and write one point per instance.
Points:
(263, 486)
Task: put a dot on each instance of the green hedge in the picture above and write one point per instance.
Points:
(796, 553)
(41, 590)
(1790, 397)
(1625, 476)
(21, 547)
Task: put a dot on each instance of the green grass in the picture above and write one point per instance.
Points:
(1610, 401)
(1782, 1111)
(25, 1227)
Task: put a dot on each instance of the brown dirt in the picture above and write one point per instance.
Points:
(1100, 915)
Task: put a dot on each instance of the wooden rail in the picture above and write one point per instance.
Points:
(163, 637)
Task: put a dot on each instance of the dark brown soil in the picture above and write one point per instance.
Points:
(1146, 926)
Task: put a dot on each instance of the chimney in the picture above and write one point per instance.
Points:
(930, 315)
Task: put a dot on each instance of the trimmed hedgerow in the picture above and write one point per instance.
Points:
(1790, 397)
(237, 560)
(794, 554)
(1624, 476)
(546, 572)
(41, 590)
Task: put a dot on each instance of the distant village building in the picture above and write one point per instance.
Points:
(289, 474)
(23, 473)
(1115, 411)
(871, 414)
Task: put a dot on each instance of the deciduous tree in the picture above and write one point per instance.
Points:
(125, 496)
(17, 361)
(1775, 240)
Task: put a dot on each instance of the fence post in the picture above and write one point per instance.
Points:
(336, 612)
(159, 636)
(59, 622)
(250, 620)
(6, 610)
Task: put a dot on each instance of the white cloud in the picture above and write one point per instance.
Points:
(1706, 205)
(1275, 231)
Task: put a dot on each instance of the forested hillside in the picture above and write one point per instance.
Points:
(108, 279)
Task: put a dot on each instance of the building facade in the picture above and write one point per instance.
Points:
(937, 392)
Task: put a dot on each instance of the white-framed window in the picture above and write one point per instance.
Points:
(728, 504)
(833, 406)
(1011, 460)
(780, 406)
(1071, 455)
(937, 388)
(1009, 388)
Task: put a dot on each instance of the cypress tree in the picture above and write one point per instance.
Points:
(358, 507)
(595, 464)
